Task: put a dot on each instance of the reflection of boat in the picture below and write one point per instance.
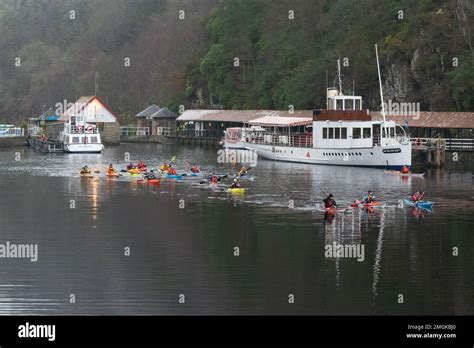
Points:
(80, 137)
(343, 134)
(396, 172)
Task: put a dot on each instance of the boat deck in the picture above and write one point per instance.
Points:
(46, 146)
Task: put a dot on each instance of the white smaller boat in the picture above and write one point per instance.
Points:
(79, 136)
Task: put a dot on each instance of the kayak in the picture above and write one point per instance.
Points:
(420, 204)
(173, 176)
(144, 169)
(376, 204)
(330, 210)
(86, 175)
(396, 172)
(151, 181)
(111, 175)
(239, 190)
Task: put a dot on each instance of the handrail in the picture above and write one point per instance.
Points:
(12, 132)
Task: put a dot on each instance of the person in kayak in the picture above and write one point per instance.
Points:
(235, 184)
(134, 170)
(195, 169)
(130, 166)
(405, 170)
(243, 171)
(149, 176)
(417, 196)
(111, 170)
(171, 170)
(85, 170)
(165, 167)
(329, 201)
(214, 179)
(141, 165)
(369, 198)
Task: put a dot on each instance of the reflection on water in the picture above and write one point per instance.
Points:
(84, 226)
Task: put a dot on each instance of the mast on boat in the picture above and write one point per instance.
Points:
(380, 85)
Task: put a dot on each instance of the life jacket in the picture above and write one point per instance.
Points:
(405, 170)
(415, 197)
(195, 169)
(328, 202)
(214, 179)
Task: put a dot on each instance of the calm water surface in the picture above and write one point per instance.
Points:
(190, 251)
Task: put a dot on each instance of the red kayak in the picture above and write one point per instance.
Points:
(358, 204)
(151, 181)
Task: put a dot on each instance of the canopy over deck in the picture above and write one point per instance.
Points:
(279, 121)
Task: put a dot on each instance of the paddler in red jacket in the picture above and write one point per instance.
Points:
(405, 170)
(329, 201)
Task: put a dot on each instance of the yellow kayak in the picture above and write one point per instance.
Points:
(114, 174)
(236, 190)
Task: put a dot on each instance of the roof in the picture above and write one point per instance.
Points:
(279, 121)
(49, 115)
(81, 104)
(149, 111)
(238, 115)
(429, 119)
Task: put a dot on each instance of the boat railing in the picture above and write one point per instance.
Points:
(11, 132)
(82, 130)
(281, 139)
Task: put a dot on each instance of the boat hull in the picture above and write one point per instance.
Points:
(83, 148)
(393, 157)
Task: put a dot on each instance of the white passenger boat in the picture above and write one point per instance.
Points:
(79, 136)
(343, 134)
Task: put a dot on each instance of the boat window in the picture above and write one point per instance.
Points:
(366, 133)
(356, 133)
(392, 132)
(93, 139)
(331, 133)
(75, 140)
(344, 133)
(337, 133)
(325, 133)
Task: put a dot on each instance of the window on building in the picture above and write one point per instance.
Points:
(356, 133)
(366, 133)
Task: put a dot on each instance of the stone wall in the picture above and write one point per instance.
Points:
(111, 134)
(12, 142)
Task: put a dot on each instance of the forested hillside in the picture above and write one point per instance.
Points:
(250, 54)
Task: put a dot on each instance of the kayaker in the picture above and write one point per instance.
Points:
(171, 171)
(242, 171)
(130, 166)
(195, 169)
(329, 201)
(405, 170)
(235, 184)
(149, 176)
(214, 179)
(141, 165)
(417, 196)
(369, 198)
(111, 170)
(134, 170)
(85, 170)
(165, 167)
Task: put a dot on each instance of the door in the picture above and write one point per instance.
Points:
(376, 134)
